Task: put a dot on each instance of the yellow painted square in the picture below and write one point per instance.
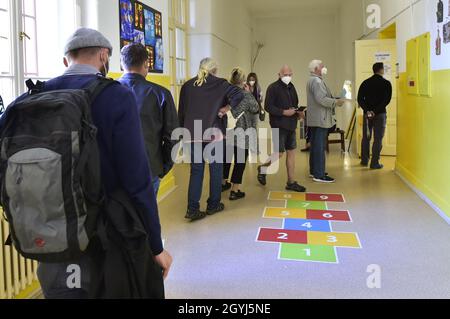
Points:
(350, 240)
(296, 213)
(287, 196)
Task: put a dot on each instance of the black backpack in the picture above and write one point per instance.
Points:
(51, 190)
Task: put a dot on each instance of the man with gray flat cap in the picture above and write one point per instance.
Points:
(124, 167)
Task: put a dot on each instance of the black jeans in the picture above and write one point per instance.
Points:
(240, 162)
(375, 127)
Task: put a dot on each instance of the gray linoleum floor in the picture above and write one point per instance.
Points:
(219, 258)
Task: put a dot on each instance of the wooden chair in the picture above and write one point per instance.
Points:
(341, 140)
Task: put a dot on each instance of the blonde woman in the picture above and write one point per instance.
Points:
(206, 99)
(246, 114)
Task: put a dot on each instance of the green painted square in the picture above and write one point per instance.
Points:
(307, 205)
(324, 254)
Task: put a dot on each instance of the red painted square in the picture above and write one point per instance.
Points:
(335, 198)
(334, 215)
(282, 236)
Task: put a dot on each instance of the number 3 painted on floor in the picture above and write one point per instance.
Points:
(332, 239)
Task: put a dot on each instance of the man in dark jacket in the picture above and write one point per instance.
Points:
(204, 102)
(123, 161)
(157, 110)
(374, 96)
(282, 103)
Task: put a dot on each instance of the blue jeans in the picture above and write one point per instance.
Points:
(197, 174)
(319, 137)
(156, 184)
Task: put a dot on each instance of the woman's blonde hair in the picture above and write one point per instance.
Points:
(207, 66)
(237, 76)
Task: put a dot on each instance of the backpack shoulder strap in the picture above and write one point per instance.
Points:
(98, 85)
(34, 88)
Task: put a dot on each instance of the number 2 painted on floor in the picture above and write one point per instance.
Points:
(282, 236)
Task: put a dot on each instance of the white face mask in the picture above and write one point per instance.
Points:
(286, 79)
(252, 83)
(324, 71)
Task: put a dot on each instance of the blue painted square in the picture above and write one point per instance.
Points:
(307, 225)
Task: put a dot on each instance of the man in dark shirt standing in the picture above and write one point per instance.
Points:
(156, 107)
(374, 96)
(282, 103)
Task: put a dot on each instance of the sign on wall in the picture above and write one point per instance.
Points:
(142, 24)
(441, 34)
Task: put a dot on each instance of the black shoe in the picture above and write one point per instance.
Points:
(218, 209)
(376, 166)
(295, 187)
(325, 180)
(364, 164)
(194, 215)
(305, 150)
(237, 195)
(226, 187)
(261, 177)
(312, 175)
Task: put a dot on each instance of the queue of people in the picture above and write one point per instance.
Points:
(108, 144)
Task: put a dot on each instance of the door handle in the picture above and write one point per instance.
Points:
(23, 35)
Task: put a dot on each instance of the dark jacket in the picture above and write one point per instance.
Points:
(203, 103)
(281, 97)
(158, 119)
(375, 94)
(124, 268)
(123, 160)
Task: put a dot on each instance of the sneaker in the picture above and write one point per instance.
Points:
(261, 177)
(237, 195)
(194, 215)
(295, 187)
(376, 166)
(219, 208)
(226, 187)
(312, 175)
(326, 180)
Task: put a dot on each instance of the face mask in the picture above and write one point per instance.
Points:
(252, 83)
(105, 69)
(286, 79)
(324, 71)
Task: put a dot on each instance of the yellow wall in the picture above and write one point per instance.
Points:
(424, 139)
(169, 182)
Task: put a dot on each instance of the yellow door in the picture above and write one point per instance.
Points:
(367, 53)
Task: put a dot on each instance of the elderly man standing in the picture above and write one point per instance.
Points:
(321, 110)
(282, 105)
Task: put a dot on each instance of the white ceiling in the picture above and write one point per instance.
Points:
(279, 7)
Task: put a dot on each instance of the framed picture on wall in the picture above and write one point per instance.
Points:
(140, 23)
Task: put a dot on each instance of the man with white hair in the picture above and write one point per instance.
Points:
(282, 105)
(321, 111)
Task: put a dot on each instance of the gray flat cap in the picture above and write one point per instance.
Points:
(87, 38)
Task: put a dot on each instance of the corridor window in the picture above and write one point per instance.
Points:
(6, 71)
(46, 26)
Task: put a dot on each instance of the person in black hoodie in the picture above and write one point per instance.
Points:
(204, 101)
(374, 96)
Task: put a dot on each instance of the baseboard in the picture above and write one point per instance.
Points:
(440, 212)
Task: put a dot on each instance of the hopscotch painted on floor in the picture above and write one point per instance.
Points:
(307, 234)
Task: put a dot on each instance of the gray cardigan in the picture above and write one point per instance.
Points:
(248, 111)
(321, 104)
